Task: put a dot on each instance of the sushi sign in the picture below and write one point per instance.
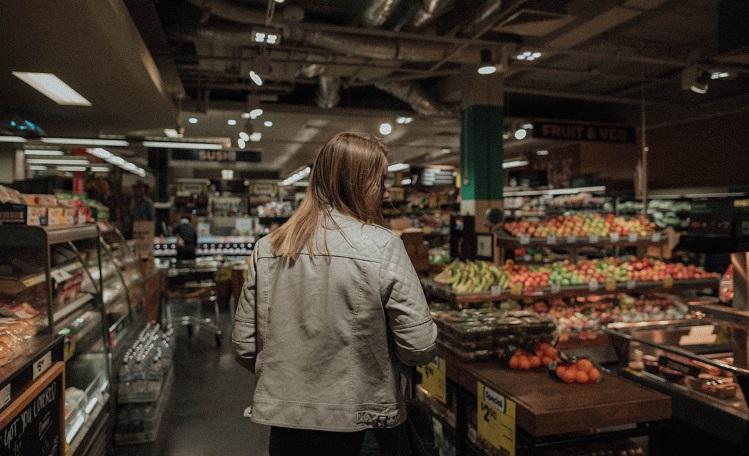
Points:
(217, 155)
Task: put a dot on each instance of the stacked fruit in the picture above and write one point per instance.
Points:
(542, 355)
(470, 276)
(582, 371)
(582, 225)
(473, 276)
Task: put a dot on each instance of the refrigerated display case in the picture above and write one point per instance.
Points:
(50, 285)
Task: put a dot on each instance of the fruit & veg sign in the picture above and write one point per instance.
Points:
(434, 379)
(496, 419)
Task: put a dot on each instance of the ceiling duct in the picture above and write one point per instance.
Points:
(428, 11)
(244, 15)
(414, 95)
(486, 11)
(329, 92)
(378, 12)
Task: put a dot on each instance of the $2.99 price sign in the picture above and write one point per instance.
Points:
(434, 379)
(496, 419)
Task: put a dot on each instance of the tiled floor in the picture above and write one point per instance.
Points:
(204, 413)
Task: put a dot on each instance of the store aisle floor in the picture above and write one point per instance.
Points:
(204, 413)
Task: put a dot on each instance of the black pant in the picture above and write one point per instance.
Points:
(302, 442)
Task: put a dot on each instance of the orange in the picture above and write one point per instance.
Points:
(584, 365)
(535, 362)
(546, 360)
(569, 377)
(561, 370)
(514, 362)
(524, 364)
(595, 375)
(581, 377)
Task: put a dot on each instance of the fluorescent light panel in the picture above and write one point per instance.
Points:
(71, 168)
(57, 161)
(398, 167)
(44, 152)
(514, 164)
(182, 145)
(296, 177)
(86, 141)
(12, 139)
(53, 88)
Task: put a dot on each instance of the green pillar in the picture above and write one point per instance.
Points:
(481, 155)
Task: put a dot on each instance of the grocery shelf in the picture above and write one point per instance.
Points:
(445, 292)
(15, 285)
(71, 233)
(72, 306)
(504, 239)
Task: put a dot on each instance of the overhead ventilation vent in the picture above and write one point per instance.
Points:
(528, 22)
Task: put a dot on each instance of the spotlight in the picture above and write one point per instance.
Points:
(193, 120)
(231, 122)
(487, 66)
(695, 79)
(385, 128)
(520, 133)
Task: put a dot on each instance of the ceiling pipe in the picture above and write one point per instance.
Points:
(378, 12)
(328, 92)
(486, 11)
(243, 15)
(428, 11)
(415, 96)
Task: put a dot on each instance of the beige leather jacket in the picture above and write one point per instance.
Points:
(325, 335)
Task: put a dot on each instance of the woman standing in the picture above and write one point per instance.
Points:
(331, 306)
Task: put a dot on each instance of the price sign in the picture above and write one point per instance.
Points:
(525, 239)
(433, 378)
(593, 239)
(632, 237)
(571, 239)
(516, 288)
(495, 418)
(610, 284)
(656, 237)
(497, 289)
(551, 239)
(668, 282)
(631, 284)
(614, 237)
(42, 364)
(60, 275)
(593, 285)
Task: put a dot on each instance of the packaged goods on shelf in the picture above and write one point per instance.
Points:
(477, 334)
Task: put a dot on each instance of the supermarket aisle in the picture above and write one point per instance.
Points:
(204, 413)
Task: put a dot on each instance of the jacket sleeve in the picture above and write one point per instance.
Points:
(243, 331)
(413, 330)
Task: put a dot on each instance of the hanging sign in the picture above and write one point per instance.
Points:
(495, 419)
(583, 132)
(434, 379)
(217, 155)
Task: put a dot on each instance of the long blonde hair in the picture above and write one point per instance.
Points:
(348, 176)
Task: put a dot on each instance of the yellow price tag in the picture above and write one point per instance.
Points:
(495, 419)
(516, 288)
(668, 282)
(610, 284)
(434, 378)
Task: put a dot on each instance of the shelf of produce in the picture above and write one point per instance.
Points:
(444, 292)
(39, 353)
(504, 239)
(547, 407)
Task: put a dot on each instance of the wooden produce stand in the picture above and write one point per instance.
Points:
(550, 414)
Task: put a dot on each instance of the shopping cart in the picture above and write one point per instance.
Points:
(191, 286)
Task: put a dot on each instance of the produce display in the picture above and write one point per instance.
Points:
(581, 371)
(469, 276)
(542, 355)
(582, 225)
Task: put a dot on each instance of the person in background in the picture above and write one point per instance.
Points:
(141, 206)
(187, 239)
(105, 196)
(330, 311)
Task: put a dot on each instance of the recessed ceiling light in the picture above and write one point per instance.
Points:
(241, 143)
(171, 132)
(256, 78)
(542, 152)
(231, 122)
(268, 123)
(385, 128)
(193, 120)
(527, 126)
(46, 152)
(255, 113)
(256, 136)
(244, 135)
(404, 120)
(520, 133)
(53, 88)
(245, 115)
(445, 150)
